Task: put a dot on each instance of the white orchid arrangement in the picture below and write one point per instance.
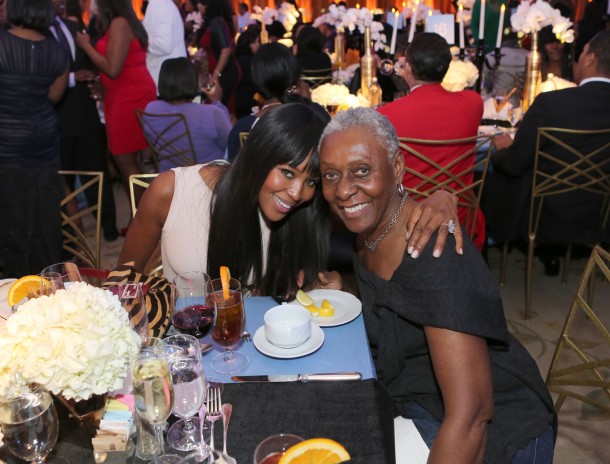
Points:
(77, 342)
(423, 11)
(287, 15)
(555, 83)
(337, 95)
(532, 17)
(461, 74)
(351, 19)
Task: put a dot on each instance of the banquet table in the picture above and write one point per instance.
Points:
(358, 414)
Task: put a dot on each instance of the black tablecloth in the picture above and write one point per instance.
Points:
(359, 415)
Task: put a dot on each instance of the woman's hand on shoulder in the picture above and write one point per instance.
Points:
(427, 217)
(330, 280)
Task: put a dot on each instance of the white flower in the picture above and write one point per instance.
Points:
(77, 342)
(461, 74)
(555, 83)
(336, 95)
(531, 17)
(351, 19)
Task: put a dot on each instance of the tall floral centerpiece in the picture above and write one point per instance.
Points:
(530, 18)
(75, 343)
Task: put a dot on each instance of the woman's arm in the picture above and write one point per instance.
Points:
(428, 216)
(119, 39)
(58, 87)
(225, 53)
(462, 370)
(145, 229)
(218, 30)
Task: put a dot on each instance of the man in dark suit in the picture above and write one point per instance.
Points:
(83, 136)
(568, 218)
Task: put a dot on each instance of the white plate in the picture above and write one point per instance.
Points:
(347, 306)
(312, 344)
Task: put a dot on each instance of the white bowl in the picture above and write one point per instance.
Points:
(287, 326)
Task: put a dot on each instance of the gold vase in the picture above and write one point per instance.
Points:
(533, 74)
(368, 67)
(339, 50)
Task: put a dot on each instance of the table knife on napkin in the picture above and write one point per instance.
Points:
(298, 377)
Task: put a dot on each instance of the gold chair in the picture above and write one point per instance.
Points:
(463, 184)
(242, 138)
(173, 143)
(154, 265)
(316, 77)
(555, 176)
(74, 240)
(583, 345)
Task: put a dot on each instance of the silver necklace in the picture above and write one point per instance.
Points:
(373, 245)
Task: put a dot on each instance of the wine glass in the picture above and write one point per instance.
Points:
(192, 313)
(387, 67)
(152, 387)
(30, 426)
(230, 323)
(515, 114)
(183, 354)
(68, 271)
(131, 296)
(206, 456)
(50, 282)
(206, 83)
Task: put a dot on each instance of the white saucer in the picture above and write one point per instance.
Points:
(347, 306)
(312, 344)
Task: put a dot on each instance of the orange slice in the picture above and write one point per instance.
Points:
(225, 277)
(24, 287)
(315, 450)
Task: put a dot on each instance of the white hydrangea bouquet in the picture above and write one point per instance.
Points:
(336, 95)
(351, 19)
(555, 83)
(532, 17)
(77, 343)
(461, 74)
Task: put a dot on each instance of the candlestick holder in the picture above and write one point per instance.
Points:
(479, 59)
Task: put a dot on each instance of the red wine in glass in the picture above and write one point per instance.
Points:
(196, 320)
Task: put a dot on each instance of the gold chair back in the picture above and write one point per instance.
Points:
(154, 265)
(173, 143)
(242, 138)
(75, 241)
(316, 77)
(463, 184)
(555, 176)
(583, 348)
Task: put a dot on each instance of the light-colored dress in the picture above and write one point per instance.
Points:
(184, 238)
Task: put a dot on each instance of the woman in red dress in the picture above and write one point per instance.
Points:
(216, 36)
(120, 55)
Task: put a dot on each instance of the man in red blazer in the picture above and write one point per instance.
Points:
(433, 113)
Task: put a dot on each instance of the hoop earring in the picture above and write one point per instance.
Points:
(401, 190)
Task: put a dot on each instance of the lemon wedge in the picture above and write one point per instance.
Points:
(304, 298)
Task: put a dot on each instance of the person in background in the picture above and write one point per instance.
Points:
(430, 112)
(243, 17)
(120, 55)
(572, 217)
(209, 125)
(74, 12)
(556, 56)
(247, 45)
(165, 29)
(593, 20)
(33, 77)
(313, 61)
(436, 327)
(216, 37)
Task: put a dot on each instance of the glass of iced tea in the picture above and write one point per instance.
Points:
(271, 449)
(230, 324)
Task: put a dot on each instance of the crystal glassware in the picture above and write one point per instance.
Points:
(131, 296)
(206, 456)
(68, 271)
(183, 354)
(193, 313)
(30, 426)
(230, 324)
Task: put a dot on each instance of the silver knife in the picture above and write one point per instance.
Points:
(298, 377)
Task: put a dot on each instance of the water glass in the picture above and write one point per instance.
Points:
(68, 271)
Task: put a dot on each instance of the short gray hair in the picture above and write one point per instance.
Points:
(364, 117)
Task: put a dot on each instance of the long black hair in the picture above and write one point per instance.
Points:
(287, 134)
(214, 9)
(274, 71)
(110, 9)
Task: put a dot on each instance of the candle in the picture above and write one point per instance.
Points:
(413, 21)
(500, 27)
(461, 19)
(393, 42)
(482, 21)
(357, 6)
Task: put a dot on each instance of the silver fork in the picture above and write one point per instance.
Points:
(214, 413)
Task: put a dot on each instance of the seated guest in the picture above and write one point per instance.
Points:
(437, 329)
(313, 61)
(277, 77)
(247, 44)
(556, 55)
(209, 125)
(572, 217)
(264, 214)
(430, 112)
